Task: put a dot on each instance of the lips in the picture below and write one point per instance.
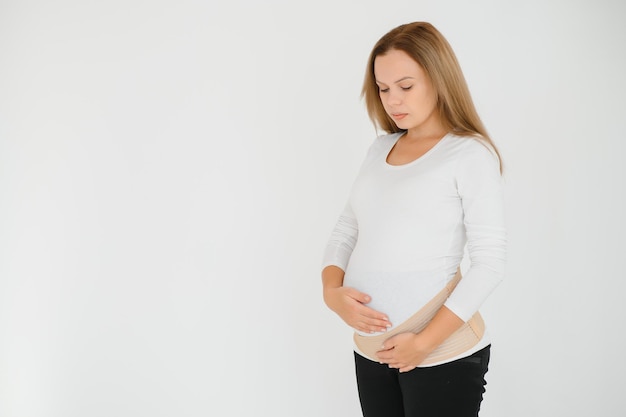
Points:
(398, 116)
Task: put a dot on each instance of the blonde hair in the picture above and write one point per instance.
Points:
(427, 46)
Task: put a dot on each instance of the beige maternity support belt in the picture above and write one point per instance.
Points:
(466, 337)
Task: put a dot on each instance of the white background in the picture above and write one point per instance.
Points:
(170, 172)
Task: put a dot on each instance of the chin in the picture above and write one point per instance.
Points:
(401, 124)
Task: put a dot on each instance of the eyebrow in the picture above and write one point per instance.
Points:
(396, 82)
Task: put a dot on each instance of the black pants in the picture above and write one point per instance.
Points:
(453, 389)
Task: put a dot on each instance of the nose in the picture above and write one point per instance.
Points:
(393, 98)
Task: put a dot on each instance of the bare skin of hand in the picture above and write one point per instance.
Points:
(350, 304)
(404, 351)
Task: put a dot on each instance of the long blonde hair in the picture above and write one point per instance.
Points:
(427, 46)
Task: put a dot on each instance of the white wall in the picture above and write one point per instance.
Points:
(170, 171)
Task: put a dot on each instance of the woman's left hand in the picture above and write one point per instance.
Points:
(404, 351)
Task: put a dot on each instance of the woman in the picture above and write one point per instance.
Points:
(427, 188)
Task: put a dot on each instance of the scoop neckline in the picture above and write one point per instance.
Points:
(416, 160)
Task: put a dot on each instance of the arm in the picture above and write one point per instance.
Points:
(350, 304)
(346, 302)
(479, 185)
(406, 351)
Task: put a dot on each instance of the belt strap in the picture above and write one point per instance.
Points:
(463, 339)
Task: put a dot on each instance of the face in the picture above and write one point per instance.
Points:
(406, 92)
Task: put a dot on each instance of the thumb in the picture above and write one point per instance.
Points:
(389, 343)
(359, 296)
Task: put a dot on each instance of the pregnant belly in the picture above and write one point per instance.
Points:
(397, 294)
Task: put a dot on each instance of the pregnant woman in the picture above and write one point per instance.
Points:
(427, 188)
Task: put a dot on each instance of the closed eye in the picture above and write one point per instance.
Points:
(407, 88)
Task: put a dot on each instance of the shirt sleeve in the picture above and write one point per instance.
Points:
(344, 236)
(342, 240)
(480, 187)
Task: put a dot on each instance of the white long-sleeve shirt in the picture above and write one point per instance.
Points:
(403, 231)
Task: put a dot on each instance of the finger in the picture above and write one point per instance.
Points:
(363, 299)
(366, 327)
(396, 365)
(385, 356)
(374, 318)
(373, 314)
(373, 324)
(389, 343)
(359, 296)
(376, 325)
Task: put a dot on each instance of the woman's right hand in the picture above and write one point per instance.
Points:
(350, 305)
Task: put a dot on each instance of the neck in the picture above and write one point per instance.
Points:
(419, 134)
(431, 129)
